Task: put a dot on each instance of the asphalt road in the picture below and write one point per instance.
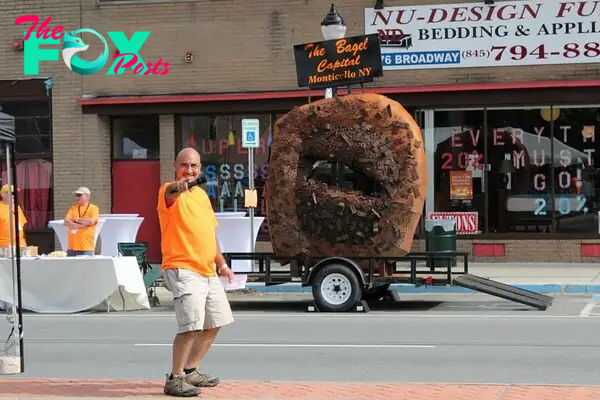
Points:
(451, 338)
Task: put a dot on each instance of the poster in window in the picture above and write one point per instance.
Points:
(461, 185)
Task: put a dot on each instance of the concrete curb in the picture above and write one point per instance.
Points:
(539, 288)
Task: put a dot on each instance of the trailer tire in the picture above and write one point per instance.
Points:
(336, 288)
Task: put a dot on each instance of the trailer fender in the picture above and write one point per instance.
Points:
(336, 260)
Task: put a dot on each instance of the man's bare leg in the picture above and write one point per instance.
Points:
(182, 349)
(200, 347)
(176, 384)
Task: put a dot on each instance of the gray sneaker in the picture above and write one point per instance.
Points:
(198, 379)
(179, 387)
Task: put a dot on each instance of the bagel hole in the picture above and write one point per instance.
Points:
(343, 176)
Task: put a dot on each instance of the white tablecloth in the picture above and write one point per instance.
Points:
(63, 232)
(118, 229)
(226, 214)
(75, 284)
(233, 235)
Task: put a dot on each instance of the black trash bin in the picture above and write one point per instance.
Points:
(441, 238)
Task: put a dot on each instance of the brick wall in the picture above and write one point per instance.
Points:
(247, 45)
(238, 46)
(167, 147)
(81, 153)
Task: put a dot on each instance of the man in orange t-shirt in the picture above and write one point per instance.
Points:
(81, 220)
(191, 263)
(7, 218)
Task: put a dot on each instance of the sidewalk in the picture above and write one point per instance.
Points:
(120, 388)
(540, 277)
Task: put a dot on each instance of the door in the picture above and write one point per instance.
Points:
(135, 190)
(419, 116)
(425, 119)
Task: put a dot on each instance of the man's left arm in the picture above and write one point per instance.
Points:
(222, 267)
(92, 219)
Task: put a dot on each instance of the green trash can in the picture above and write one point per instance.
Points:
(139, 250)
(441, 237)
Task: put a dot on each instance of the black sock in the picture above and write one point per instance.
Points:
(189, 370)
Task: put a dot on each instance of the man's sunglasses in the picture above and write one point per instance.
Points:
(77, 194)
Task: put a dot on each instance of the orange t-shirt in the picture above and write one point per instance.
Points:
(5, 221)
(82, 239)
(188, 231)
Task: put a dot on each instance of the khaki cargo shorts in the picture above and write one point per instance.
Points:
(200, 301)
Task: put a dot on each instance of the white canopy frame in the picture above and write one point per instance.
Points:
(15, 310)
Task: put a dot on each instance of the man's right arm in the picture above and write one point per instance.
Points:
(174, 190)
(72, 224)
(69, 221)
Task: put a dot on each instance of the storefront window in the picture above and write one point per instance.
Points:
(225, 161)
(136, 138)
(34, 179)
(33, 129)
(33, 126)
(576, 155)
(459, 158)
(520, 170)
(527, 170)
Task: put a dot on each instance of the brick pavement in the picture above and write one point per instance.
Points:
(114, 388)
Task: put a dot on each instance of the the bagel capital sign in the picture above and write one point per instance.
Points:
(338, 62)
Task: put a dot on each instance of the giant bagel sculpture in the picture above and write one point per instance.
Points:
(369, 133)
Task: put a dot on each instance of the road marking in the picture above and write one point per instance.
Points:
(304, 345)
(587, 309)
(300, 314)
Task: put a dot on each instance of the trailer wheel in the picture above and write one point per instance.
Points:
(336, 288)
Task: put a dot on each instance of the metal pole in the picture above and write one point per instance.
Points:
(18, 259)
(251, 187)
(11, 177)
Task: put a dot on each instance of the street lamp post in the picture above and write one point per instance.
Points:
(333, 27)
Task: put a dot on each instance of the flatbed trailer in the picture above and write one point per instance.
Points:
(344, 283)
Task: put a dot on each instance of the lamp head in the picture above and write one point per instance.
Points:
(333, 26)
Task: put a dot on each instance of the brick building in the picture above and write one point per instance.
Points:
(118, 134)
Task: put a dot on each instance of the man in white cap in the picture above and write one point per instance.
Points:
(81, 219)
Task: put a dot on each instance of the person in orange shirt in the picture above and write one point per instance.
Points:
(81, 219)
(7, 218)
(191, 263)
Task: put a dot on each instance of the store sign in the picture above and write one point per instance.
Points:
(340, 62)
(477, 35)
(467, 223)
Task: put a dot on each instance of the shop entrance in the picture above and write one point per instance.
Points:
(135, 185)
(424, 119)
(136, 175)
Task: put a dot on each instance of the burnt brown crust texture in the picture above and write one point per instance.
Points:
(368, 132)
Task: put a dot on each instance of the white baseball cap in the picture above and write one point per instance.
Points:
(82, 190)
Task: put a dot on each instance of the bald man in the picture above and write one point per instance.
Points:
(191, 263)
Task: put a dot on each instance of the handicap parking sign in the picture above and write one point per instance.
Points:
(250, 133)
